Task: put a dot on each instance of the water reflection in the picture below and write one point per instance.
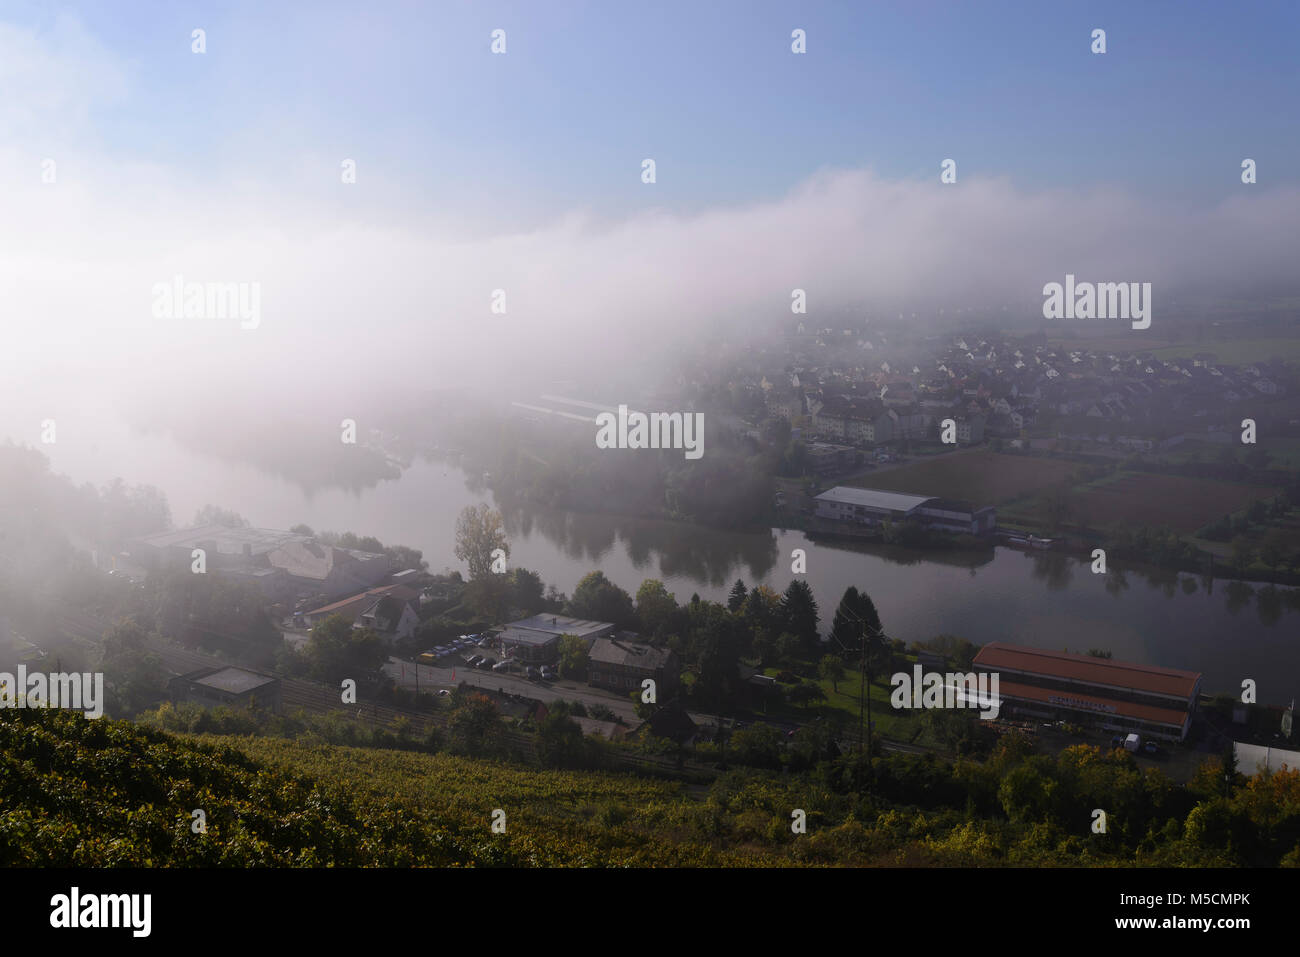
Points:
(1054, 570)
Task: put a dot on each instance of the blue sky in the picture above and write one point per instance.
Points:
(708, 89)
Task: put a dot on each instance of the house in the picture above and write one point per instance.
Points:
(355, 606)
(673, 723)
(622, 666)
(610, 730)
(391, 616)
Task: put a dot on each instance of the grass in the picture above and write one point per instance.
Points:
(1236, 351)
(898, 725)
(1242, 351)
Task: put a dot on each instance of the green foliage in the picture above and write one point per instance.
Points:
(86, 793)
(134, 678)
(572, 656)
(598, 599)
(655, 606)
(336, 651)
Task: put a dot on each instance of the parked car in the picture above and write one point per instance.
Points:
(1117, 741)
(484, 663)
(443, 692)
(533, 673)
(473, 660)
(1151, 748)
(501, 666)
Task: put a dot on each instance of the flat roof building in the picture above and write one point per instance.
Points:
(1254, 758)
(537, 639)
(1114, 695)
(869, 506)
(232, 687)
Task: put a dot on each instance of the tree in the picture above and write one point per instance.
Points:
(762, 611)
(478, 534)
(572, 656)
(560, 743)
(525, 590)
(799, 609)
(475, 725)
(1242, 554)
(598, 599)
(854, 609)
(337, 651)
(804, 694)
(654, 605)
(134, 678)
(403, 558)
(736, 600)
(1272, 552)
(758, 746)
(830, 668)
(788, 647)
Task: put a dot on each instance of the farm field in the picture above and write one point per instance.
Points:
(1236, 351)
(980, 477)
(1184, 504)
(1241, 351)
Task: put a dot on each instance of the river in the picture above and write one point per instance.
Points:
(1228, 632)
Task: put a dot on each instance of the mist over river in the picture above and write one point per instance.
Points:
(1229, 632)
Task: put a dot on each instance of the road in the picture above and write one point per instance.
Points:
(431, 676)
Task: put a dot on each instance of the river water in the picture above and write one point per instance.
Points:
(1228, 632)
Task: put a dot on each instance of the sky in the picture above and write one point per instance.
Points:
(522, 171)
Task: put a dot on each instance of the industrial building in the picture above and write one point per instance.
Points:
(284, 565)
(872, 507)
(1083, 689)
(536, 640)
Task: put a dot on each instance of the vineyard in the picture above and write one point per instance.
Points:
(104, 793)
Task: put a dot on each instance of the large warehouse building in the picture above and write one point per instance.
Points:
(1114, 695)
(869, 506)
(536, 640)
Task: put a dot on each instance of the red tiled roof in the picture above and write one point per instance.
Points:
(997, 656)
(1124, 709)
(343, 605)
